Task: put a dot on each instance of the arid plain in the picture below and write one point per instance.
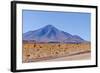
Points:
(35, 52)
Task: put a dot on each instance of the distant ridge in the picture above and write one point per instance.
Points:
(50, 33)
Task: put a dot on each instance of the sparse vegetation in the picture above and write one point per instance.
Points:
(41, 51)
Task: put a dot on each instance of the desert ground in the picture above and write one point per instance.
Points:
(82, 56)
(34, 52)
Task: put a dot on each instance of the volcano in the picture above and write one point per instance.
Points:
(50, 33)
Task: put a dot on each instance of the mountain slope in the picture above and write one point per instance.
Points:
(50, 33)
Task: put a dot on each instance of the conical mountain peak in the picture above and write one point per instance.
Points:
(50, 33)
(50, 27)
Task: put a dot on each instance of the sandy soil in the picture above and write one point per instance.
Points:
(84, 56)
(34, 52)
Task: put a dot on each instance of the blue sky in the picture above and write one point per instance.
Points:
(71, 22)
